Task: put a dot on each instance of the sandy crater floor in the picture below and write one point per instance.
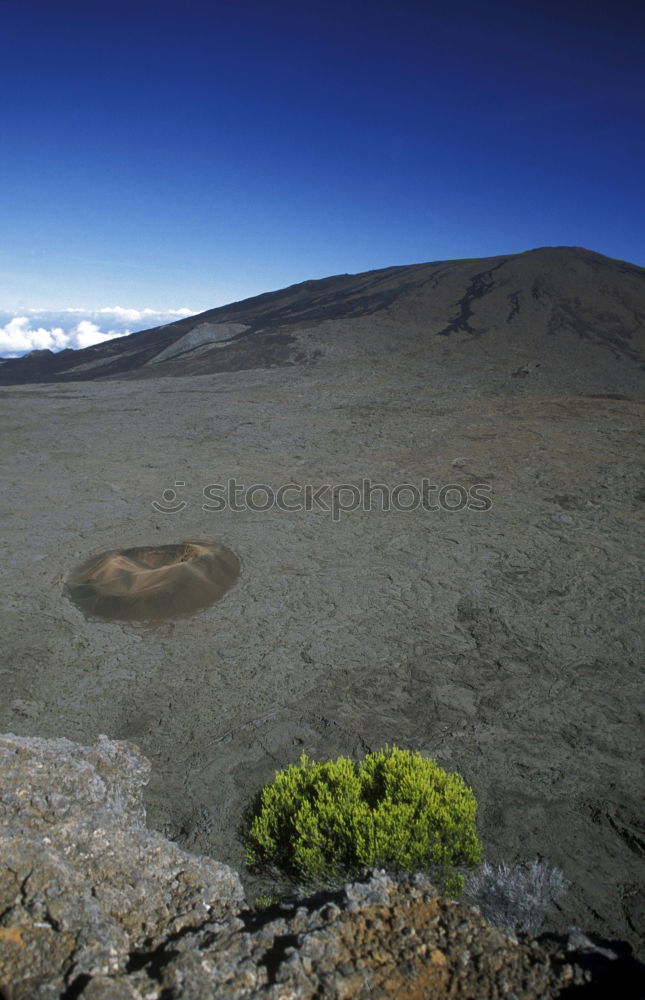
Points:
(502, 643)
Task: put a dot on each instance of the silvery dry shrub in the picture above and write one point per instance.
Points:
(516, 897)
(395, 810)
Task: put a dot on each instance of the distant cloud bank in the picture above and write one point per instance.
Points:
(54, 330)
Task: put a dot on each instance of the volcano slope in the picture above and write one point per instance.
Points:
(502, 642)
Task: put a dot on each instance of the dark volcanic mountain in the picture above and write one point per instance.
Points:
(553, 296)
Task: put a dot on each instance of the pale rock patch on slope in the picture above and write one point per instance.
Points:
(198, 336)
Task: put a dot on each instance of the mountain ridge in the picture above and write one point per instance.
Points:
(541, 292)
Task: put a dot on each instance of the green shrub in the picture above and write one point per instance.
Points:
(265, 900)
(395, 810)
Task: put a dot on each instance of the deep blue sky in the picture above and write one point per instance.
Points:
(171, 154)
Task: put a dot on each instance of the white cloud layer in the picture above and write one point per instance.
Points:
(37, 329)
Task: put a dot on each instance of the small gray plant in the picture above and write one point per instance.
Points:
(516, 897)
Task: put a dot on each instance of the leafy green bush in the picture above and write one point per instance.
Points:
(395, 810)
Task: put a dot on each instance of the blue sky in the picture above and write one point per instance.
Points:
(179, 155)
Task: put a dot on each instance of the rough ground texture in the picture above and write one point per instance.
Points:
(505, 644)
(93, 905)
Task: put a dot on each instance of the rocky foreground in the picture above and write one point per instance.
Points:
(94, 905)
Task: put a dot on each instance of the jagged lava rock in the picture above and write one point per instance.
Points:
(83, 882)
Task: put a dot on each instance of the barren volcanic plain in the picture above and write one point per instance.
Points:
(502, 642)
